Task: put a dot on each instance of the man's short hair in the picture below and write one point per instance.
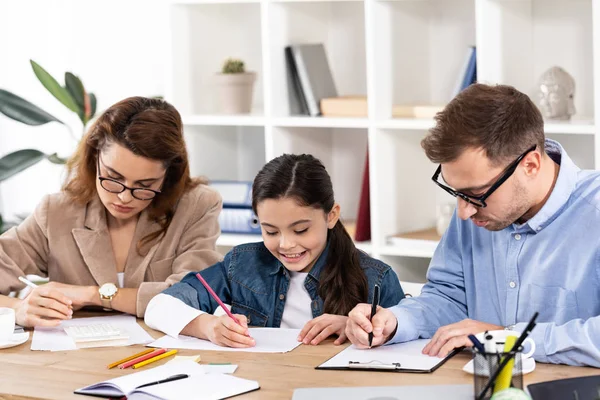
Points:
(496, 118)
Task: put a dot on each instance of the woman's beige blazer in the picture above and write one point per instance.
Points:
(70, 243)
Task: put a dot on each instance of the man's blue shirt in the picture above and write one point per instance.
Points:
(550, 264)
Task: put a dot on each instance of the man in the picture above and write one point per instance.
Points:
(532, 243)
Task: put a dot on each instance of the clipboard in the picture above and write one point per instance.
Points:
(400, 357)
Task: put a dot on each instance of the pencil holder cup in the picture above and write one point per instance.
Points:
(485, 365)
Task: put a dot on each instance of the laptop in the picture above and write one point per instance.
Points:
(433, 392)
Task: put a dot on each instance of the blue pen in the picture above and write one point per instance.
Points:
(476, 343)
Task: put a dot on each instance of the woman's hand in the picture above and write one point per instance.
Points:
(224, 331)
(80, 296)
(318, 329)
(44, 306)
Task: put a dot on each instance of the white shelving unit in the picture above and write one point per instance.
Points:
(395, 52)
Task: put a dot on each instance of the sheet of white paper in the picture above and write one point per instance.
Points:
(268, 340)
(198, 387)
(55, 339)
(208, 368)
(407, 354)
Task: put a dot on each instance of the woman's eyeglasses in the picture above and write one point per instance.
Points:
(113, 186)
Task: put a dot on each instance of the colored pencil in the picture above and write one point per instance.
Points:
(154, 353)
(159, 357)
(129, 358)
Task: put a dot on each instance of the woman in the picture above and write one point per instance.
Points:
(128, 223)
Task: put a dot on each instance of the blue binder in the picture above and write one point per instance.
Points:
(237, 215)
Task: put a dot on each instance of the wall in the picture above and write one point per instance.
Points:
(116, 47)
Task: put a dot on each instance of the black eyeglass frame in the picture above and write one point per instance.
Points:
(479, 201)
(124, 188)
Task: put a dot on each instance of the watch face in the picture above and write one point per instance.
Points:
(108, 289)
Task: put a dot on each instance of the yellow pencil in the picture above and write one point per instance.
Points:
(505, 376)
(129, 358)
(151, 360)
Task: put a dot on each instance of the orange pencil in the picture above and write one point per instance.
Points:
(142, 358)
(159, 357)
(109, 366)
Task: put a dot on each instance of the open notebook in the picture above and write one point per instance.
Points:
(401, 357)
(199, 385)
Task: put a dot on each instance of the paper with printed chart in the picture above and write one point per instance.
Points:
(268, 340)
(56, 339)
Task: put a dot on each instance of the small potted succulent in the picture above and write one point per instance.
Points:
(235, 87)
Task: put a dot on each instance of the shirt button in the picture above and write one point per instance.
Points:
(539, 228)
(512, 284)
(518, 237)
(281, 297)
(249, 320)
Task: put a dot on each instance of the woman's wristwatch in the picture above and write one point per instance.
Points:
(107, 292)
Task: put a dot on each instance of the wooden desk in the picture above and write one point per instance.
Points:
(26, 374)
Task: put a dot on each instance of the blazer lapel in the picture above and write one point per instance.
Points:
(135, 269)
(94, 244)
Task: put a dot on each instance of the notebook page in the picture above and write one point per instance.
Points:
(407, 354)
(197, 387)
(127, 383)
(268, 340)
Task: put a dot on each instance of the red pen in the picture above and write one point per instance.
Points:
(217, 299)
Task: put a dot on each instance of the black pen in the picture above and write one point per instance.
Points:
(512, 352)
(374, 311)
(169, 379)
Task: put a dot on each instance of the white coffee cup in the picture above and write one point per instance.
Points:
(499, 338)
(7, 323)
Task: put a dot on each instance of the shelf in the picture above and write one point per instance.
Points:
(235, 239)
(573, 127)
(413, 244)
(406, 123)
(320, 122)
(224, 120)
(192, 2)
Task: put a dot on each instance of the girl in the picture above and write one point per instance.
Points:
(306, 273)
(129, 221)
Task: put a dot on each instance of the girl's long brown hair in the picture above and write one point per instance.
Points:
(150, 128)
(342, 283)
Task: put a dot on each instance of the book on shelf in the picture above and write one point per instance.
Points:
(313, 74)
(356, 106)
(468, 72)
(429, 235)
(363, 222)
(296, 99)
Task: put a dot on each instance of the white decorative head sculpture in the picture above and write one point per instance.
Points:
(556, 92)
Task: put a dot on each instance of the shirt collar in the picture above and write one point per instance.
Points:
(564, 187)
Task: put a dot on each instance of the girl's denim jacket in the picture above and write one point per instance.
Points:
(255, 284)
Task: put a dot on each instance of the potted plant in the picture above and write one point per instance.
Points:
(72, 95)
(235, 87)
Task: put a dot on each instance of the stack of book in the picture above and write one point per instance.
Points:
(309, 78)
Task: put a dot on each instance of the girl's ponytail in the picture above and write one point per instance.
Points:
(342, 284)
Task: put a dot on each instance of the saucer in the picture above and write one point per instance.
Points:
(15, 340)
(528, 365)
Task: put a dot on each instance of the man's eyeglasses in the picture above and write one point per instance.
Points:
(113, 186)
(479, 201)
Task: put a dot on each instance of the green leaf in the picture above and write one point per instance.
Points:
(21, 110)
(15, 162)
(93, 103)
(75, 88)
(55, 159)
(54, 87)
